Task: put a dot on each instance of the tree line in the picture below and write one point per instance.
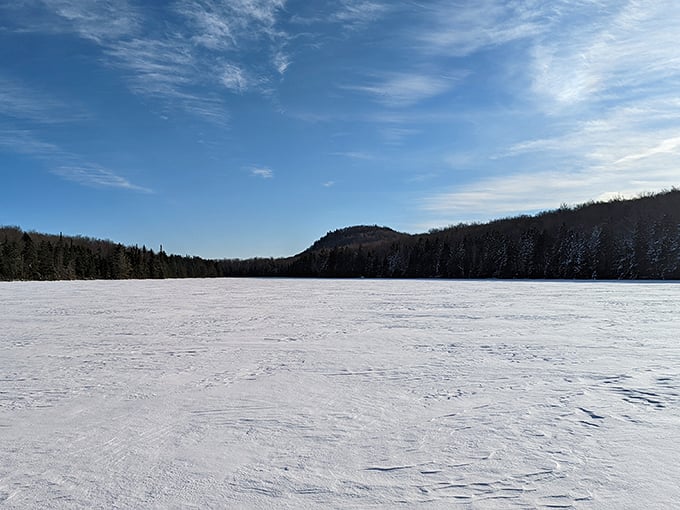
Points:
(618, 239)
(36, 256)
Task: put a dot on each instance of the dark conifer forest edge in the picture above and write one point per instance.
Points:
(618, 239)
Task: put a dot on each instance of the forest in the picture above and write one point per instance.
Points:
(616, 239)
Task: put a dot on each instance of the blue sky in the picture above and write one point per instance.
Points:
(242, 128)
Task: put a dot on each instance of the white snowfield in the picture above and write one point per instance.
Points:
(246, 393)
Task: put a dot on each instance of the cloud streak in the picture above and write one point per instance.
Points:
(355, 155)
(22, 141)
(98, 21)
(356, 13)
(97, 177)
(64, 164)
(406, 89)
(169, 70)
(262, 172)
(349, 14)
(628, 133)
(461, 29)
(19, 102)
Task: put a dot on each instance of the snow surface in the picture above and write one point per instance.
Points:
(339, 394)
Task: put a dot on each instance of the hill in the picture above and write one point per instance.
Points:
(353, 237)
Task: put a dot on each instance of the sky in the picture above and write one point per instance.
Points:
(240, 128)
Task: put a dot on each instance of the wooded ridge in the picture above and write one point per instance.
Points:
(617, 239)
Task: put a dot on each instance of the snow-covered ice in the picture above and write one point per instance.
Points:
(339, 394)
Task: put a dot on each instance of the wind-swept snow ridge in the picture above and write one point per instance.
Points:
(339, 394)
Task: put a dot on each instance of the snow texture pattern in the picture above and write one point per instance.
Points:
(339, 394)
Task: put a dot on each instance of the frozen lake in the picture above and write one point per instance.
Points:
(339, 394)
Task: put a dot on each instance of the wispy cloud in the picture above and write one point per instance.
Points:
(667, 146)
(62, 163)
(421, 177)
(20, 102)
(620, 52)
(506, 195)
(169, 69)
(237, 26)
(354, 13)
(406, 89)
(224, 25)
(530, 192)
(235, 79)
(626, 133)
(95, 176)
(213, 29)
(22, 141)
(396, 135)
(462, 28)
(157, 66)
(577, 49)
(354, 155)
(328, 184)
(262, 172)
(281, 62)
(23, 105)
(181, 62)
(350, 14)
(96, 21)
